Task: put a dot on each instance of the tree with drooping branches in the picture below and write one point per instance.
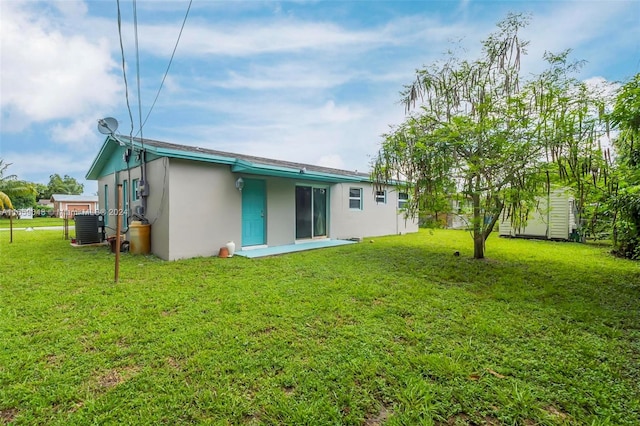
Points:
(477, 129)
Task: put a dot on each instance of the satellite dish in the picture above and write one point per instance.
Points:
(107, 126)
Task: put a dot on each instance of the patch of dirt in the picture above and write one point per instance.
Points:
(54, 360)
(109, 380)
(114, 377)
(288, 390)
(379, 418)
(122, 343)
(252, 419)
(491, 421)
(78, 405)
(554, 412)
(8, 415)
(171, 361)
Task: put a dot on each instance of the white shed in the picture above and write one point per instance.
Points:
(554, 219)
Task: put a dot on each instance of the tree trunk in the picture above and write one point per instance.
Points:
(478, 236)
(494, 219)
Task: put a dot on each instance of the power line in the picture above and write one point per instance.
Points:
(135, 32)
(175, 47)
(124, 72)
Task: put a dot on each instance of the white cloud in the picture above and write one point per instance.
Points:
(72, 9)
(285, 75)
(250, 38)
(49, 75)
(329, 133)
(332, 160)
(79, 133)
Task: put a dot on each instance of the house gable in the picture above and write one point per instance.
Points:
(110, 159)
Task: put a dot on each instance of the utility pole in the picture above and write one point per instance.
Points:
(118, 228)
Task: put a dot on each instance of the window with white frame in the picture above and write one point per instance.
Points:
(381, 197)
(403, 200)
(355, 198)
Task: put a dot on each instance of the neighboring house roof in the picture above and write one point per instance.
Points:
(44, 202)
(239, 163)
(74, 198)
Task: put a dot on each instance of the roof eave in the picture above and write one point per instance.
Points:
(246, 167)
(237, 165)
(188, 155)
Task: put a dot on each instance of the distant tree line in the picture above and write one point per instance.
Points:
(21, 194)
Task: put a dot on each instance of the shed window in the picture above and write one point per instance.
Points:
(355, 198)
(403, 200)
(381, 197)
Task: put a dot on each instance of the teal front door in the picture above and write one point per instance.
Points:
(253, 212)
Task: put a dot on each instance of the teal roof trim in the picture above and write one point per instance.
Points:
(98, 163)
(109, 160)
(203, 156)
(246, 167)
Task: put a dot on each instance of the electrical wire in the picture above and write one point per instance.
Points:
(135, 32)
(124, 72)
(175, 47)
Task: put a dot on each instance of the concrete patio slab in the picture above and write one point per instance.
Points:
(291, 248)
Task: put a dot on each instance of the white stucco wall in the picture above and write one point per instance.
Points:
(374, 219)
(205, 209)
(158, 208)
(195, 208)
(281, 211)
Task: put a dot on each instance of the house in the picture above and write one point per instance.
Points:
(196, 200)
(65, 204)
(553, 219)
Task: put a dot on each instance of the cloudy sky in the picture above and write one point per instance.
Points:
(308, 81)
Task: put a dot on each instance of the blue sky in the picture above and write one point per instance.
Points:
(308, 81)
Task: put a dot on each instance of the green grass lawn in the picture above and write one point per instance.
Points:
(36, 222)
(399, 332)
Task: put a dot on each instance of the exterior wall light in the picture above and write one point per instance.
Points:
(240, 184)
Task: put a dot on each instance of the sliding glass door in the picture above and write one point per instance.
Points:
(311, 212)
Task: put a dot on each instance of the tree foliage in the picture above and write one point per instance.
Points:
(14, 193)
(479, 130)
(63, 185)
(574, 129)
(625, 198)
